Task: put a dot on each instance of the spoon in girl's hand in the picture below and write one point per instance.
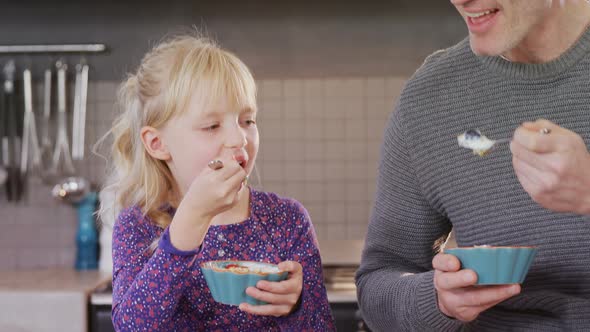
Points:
(215, 164)
(480, 144)
(218, 164)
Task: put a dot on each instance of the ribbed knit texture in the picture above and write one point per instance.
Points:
(428, 184)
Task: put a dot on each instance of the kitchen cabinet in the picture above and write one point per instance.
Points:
(47, 300)
(100, 318)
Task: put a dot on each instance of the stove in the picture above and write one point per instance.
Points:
(340, 278)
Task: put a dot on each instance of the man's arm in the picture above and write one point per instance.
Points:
(395, 279)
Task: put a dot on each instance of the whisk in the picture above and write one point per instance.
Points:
(30, 144)
(62, 160)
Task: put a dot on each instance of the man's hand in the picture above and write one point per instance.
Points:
(553, 166)
(457, 296)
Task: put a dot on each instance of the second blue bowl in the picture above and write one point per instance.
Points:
(496, 265)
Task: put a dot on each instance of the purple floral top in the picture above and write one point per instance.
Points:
(164, 290)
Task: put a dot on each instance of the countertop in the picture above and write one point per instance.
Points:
(56, 299)
(334, 296)
(47, 300)
(52, 280)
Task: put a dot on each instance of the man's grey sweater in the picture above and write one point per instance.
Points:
(427, 185)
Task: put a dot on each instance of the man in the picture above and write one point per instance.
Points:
(523, 73)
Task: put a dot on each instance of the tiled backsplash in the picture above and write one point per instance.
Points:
(320, 142)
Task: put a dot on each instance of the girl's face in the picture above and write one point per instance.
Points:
(201, 135)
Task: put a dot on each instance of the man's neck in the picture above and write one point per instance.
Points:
(554, 36)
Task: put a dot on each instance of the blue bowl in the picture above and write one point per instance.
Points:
(496, 265)
(228, 280)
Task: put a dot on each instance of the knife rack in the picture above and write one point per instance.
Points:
(19, 142)
(52, 48)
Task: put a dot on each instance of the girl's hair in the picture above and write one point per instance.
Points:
(168, 77)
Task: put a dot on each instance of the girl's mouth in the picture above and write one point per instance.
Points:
(241, 159)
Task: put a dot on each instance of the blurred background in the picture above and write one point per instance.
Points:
(328, 72)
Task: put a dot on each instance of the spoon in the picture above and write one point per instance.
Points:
(218, 164)
(473, 139)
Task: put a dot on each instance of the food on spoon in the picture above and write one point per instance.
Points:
(474, 140)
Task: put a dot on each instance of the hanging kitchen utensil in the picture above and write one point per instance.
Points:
(3, 135)
(62, 161)
(76, 115)
(71, 190)
(46, 151)
(30, 156)
(3, 175)
(75, 188)
(79, 123)
(11, 144)
(83, 104)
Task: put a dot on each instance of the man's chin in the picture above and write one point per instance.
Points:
(483, 48)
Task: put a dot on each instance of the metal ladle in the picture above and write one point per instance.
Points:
(72, 189)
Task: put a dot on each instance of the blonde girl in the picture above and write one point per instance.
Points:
(189, 107)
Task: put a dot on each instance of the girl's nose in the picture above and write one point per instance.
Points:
(236, 138)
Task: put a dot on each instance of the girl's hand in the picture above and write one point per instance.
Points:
(552, 165)
(282, 297)
(214, 191)
(457, 297)
(210, 193)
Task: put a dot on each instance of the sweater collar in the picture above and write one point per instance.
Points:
(529, 71)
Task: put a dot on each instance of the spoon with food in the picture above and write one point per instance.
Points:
(473, 139)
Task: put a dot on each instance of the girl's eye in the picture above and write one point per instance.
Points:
(250, 122)
(211, 127)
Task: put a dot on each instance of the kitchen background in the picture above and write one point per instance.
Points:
(328, 74)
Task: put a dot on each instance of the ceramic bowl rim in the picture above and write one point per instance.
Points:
(492, 247)
(240, 273)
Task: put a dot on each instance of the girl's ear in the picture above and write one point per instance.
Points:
(152, 141)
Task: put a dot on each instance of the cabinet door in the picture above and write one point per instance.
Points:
(100, 319)
(348, 317)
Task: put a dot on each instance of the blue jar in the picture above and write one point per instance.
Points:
(87, 235)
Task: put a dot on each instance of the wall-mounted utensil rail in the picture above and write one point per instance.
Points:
(57, 48)
(21, 154)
